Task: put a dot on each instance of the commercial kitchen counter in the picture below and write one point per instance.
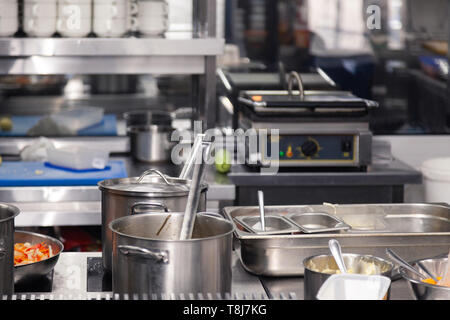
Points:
(74, 279)
(81, 205)
(48, 206)
(380, 183)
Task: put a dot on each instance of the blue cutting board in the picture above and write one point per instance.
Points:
(21, 125)
(27, 174)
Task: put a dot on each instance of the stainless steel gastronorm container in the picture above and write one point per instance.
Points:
(149, 258)
(120, 195)
(413, 231)
(7, 215)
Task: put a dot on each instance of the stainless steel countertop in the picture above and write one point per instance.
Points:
(70, 283)
(70, 274)
(393, 173)
(55, 206)
(81, 205)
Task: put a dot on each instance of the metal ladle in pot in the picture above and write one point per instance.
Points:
(336, 251)
(198, 144)
(194, 192)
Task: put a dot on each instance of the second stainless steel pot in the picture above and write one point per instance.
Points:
(149, 259)
(151, 143)
(120, 195)
(150, 135)
(7, 215)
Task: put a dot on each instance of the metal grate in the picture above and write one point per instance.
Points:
(111, 296)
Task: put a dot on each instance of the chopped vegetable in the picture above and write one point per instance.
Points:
(431, 281)
(25, 253)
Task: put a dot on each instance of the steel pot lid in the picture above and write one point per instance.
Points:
(155, 185)
(143, 117)
(149, 128)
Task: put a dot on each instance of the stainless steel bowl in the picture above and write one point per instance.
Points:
(355, 263)
(37, 269)
(425, 291)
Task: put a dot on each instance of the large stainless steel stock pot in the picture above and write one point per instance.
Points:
(120, 195)
(149, 258)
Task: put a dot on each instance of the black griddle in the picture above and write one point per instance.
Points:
(314, 104)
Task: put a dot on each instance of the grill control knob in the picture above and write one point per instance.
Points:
(309, 148)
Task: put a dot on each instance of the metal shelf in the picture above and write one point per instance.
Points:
(106, 56)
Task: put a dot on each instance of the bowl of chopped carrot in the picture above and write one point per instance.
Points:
(428, 289)
(35, 254)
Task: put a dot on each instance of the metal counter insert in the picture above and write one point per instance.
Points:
(313, 222)
(274, 225)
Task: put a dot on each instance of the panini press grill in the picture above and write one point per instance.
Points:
(316, 128)
(232, 83)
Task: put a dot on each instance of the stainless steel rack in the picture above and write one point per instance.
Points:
(194, 56)
(42, 56)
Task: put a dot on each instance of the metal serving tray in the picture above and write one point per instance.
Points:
(275, 224)
(315, 222)
(414, 231)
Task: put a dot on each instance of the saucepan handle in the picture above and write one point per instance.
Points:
(160, 256)
(148, 204)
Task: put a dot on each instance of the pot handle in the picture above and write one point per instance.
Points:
(159, 173)
(158, 256)
(150, 204)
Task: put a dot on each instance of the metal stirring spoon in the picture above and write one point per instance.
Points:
(396, 258)
(336, 251)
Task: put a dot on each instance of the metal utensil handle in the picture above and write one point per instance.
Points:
(149, 204)
(261, 210)
(158, 256)
(2, 253)
(294, 75)
(425, 269)
(194, 195)
(149, 171)
(192, 157)
(396, 258)
(336, 251)
(192, 204)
